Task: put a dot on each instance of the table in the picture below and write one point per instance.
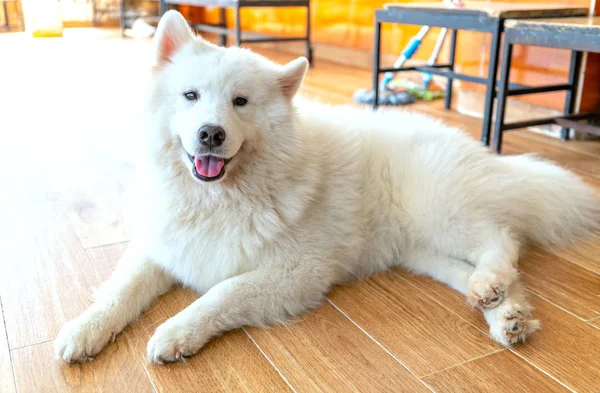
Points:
(576, 34)
(244, 37)
(474, 16)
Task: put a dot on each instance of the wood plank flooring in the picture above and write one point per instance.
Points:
(7, 383)
(494, 374)
(69, 116)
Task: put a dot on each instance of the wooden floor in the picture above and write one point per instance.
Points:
(69, 111)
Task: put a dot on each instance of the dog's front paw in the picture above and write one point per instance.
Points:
(174, 342)
(83, 337)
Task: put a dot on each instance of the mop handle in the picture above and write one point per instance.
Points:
(434, 56)
(407, 53)
(438, 47)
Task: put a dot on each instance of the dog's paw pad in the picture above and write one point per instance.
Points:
(514, 326)
(486, 297)
(487, 289)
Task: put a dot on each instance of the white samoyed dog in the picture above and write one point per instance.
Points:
(261, 202)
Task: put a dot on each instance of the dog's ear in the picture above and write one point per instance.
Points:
(291, 76)
(171, 34)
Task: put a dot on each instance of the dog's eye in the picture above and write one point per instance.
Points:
(191, 95)
(240, 101)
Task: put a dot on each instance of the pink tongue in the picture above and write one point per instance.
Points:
(208, 166)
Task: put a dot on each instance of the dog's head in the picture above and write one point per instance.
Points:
(218, 106)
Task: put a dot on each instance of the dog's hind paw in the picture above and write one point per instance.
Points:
(488, 289)
(513, 325)
(488, 298)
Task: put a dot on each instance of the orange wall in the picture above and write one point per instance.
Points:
(350, 24)
(335, 22)
(13, 15)
(530, 65)
(590, 94)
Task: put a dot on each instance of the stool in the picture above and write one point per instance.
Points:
(245, 37)
(474, 16)
(576, 34)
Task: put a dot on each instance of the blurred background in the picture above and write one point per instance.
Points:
(342, 33)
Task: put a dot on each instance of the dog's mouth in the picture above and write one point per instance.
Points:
(208, 167)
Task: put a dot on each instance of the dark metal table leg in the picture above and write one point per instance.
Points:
(571, 93)
(376, 60)
(6, 20)
(94, 13)
(122, 10)
(308, 44)
(502, 95)
(162, 7)
(491, 84)
(448, 99)
(223, 23)
(238, 25)
(21, 15)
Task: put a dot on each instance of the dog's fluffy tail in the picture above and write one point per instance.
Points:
(557, 206)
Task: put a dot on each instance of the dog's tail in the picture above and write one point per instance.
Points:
(558, 207)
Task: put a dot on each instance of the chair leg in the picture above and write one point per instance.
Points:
(94, 13)
(491, 85)
(448, 99)
(572, 92)
(223, 23)
(6, 20)
(309, 54)
(123, 10)
(162, 7)
(238, 26)
(376, 60)
(502, 95)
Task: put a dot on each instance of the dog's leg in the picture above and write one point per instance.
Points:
(134, 285)
(452, 272)
(510, 322)
(496, 269)
(255, 298)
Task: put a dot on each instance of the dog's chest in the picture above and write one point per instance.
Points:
(205, 252)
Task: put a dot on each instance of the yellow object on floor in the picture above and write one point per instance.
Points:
(48, 32)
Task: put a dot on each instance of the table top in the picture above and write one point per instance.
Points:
(495, 10)
(584, 25)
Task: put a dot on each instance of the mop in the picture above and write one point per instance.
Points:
(388, 96)
(422, 93)
(406, 92)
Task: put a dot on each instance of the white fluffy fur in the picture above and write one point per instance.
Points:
(314, 196)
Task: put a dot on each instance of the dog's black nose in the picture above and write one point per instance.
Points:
(210, 135)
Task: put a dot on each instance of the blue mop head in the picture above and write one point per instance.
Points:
(386, 97)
